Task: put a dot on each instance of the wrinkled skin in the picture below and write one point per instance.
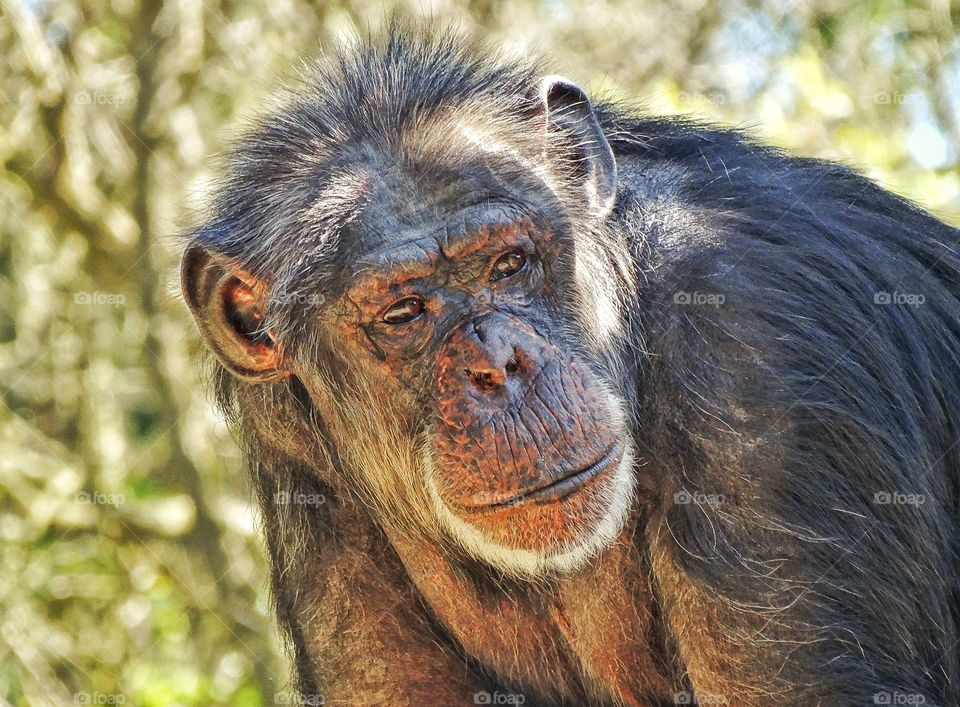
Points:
(522, 435)
(533, 431)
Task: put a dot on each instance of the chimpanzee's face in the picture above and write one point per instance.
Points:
(523, 449)
(456, 362)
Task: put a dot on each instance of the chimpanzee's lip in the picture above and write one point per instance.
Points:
(561, 488)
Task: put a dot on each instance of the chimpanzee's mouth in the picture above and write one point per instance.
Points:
(561, 488)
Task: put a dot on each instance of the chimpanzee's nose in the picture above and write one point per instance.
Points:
(495, 354)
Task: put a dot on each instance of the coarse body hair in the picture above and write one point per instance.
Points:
(784, 338)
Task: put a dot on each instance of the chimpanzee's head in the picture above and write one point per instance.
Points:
(415, 248)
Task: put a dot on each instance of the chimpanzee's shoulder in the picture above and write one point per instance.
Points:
(799, 273)
(723, 169)
(687, 188)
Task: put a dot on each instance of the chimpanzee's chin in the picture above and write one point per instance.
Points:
(556, 527)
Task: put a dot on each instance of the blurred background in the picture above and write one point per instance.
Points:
(130, 571)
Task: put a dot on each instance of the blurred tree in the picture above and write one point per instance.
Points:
(131, 571)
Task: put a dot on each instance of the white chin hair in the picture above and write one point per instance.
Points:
(617, 495)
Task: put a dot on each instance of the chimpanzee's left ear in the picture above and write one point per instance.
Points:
(566, 107)
(228, 306)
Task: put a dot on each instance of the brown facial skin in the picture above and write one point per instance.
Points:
(523, 437)
(522, 441)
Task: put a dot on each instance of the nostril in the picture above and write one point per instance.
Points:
(484, 380)
(515, 363)
(478, 330)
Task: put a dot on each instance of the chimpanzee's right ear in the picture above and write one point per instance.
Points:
(228, 305)
(566, 108)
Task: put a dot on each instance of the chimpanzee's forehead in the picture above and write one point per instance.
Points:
(384, 233)
(453, 233)
(406, 214)
(402, 203)
(414, 251)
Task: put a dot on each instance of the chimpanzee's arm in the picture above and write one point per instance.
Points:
(360, 631)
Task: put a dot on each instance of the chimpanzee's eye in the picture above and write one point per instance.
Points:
(406, 310)
(508, 264)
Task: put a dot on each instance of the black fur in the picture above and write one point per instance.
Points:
(798, 398)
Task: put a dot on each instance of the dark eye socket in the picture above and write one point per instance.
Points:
(508, 264)
(403, 311)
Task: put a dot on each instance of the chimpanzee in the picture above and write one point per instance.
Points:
(547, 402)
